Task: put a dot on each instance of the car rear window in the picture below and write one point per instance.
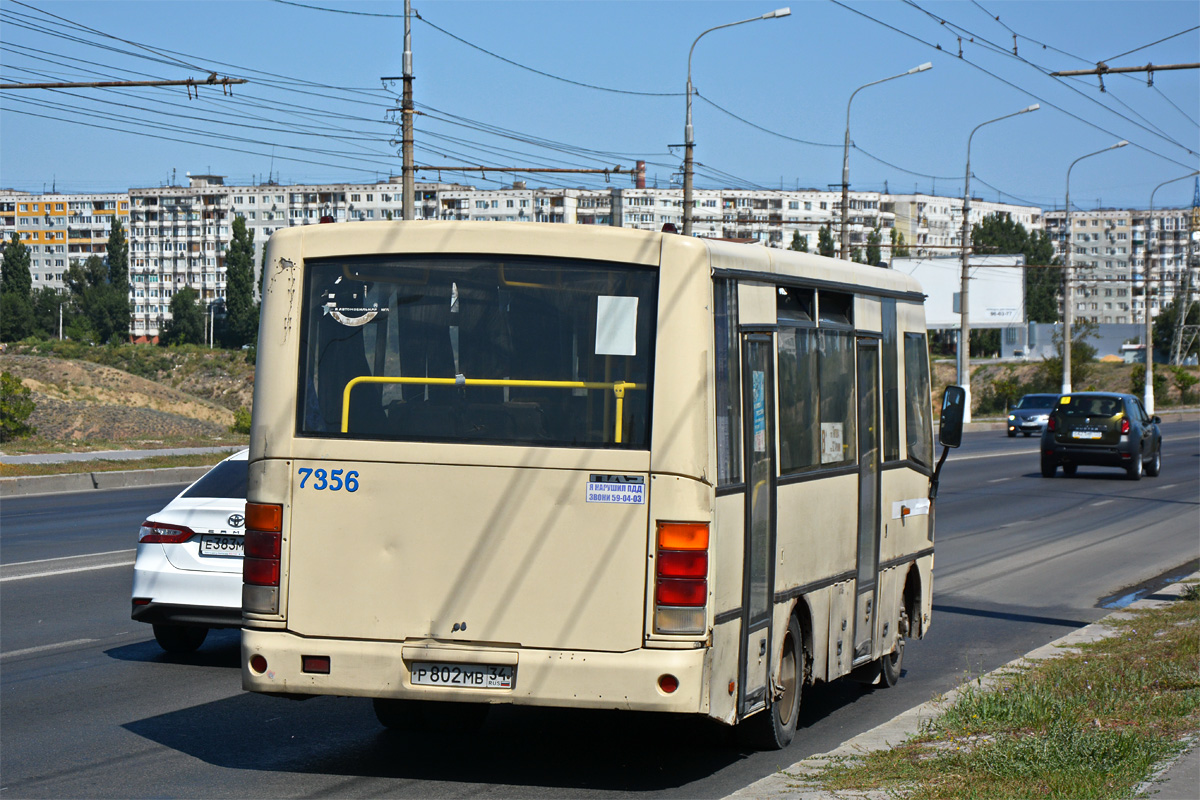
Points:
(1037, 401)
(1083, 406)
(227, 479)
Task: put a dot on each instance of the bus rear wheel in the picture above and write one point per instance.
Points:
(774, 727)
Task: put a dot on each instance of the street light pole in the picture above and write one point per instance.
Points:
(689, 143)
(1069, 275)
(844, 233)
(1148, 396)
(964, 334)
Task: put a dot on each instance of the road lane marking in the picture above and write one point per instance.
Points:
(48, 567)
(1101, 502)
(999, 480)
(1168, 486)
(69, 558)
(997, 455)
(45, 647)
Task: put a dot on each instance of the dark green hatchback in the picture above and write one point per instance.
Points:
(1101, 429)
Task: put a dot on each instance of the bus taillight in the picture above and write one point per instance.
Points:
(681, 578)
(261, 565)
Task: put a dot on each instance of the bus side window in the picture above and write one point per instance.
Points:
(919, 430)
(728, 380)
(891, 383)
(799, 429)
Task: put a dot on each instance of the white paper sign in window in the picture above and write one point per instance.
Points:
(616, 326)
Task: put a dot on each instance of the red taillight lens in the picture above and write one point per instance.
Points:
(682, 592)
(260, 572)
(166, 534)
(1050, 423)
(1125, 426)
(263, 544)
(682, 564)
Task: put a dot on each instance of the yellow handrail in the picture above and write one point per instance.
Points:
(618, 389)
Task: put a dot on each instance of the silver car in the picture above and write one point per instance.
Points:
(1030, 413)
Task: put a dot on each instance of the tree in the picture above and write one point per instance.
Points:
(15, 407)
(186, 325)
(799, 243)
(16, 283)
(1083, 355)
(999, 234)
(241, 321)
(825, 241)
(46, 304)
(117, 291)
(874, 249)
(899, 248)
(103, 307)
(856, 255)
(1164, 329)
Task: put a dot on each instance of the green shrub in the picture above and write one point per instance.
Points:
(241, 420)
(15, 407)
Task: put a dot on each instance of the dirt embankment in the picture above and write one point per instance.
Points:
(78, 401)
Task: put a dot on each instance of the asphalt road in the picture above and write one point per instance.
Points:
(89, 706)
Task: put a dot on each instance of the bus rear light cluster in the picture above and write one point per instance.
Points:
(264, 551)
(164, 534)
(681, 578)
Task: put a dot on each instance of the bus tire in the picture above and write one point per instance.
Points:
(179, 639)
(890, 665)
(774, 727)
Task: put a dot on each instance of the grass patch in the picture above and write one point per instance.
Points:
(1091, 723)
(110, 465)
(37, 445)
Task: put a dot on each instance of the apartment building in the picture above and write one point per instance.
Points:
(1108, 251)
(178, 235)
(59, 228)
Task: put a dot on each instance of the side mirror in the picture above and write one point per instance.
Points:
(950, 428)
(1156, 419)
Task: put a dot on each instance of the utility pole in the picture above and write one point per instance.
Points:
(406, 123)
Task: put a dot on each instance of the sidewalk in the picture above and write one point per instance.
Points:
(115, 455)
(1179, 780)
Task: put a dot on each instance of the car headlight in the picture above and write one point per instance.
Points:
(1011, 417)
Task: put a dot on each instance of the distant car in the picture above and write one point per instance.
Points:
(1029, 415)
(187, 577)
(1104, 430)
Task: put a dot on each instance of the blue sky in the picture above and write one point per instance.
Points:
(596, 84)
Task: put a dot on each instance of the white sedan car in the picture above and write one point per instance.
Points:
(188, 574)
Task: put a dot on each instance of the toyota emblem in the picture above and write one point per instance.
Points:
(237, 520)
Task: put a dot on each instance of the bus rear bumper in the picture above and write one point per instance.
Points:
(629, 680)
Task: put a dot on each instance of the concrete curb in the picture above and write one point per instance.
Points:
(790, 782)
(84, 481)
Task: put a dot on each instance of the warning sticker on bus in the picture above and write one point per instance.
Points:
(628, 489)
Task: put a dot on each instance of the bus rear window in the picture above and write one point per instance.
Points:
(476, 348)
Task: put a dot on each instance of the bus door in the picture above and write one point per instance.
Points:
(868, 495)
(757, 582)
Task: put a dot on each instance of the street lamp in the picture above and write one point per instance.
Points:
(846, 155)
(1069, 275)
(688, 143)
(964, 336)
(1148, 399)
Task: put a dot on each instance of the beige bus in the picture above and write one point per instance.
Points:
(588, 467)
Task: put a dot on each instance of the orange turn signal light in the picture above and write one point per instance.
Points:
(683, 535)
(264, 517)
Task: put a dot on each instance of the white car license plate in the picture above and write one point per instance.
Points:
(1086, 434)
(478, 676)
(213, 544)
